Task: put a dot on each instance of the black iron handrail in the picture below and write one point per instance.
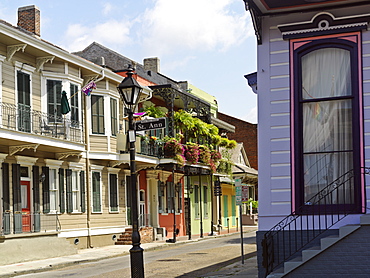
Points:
(301, 227)
(24, 119)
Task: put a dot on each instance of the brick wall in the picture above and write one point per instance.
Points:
(244, 132)
(29, 19)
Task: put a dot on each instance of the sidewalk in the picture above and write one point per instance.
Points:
(236, 270)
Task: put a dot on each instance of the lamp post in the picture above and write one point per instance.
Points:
(130, 91)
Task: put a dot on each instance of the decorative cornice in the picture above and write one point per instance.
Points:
(152, 174)
(11, 49)
(324, 23)
(14, 149)
(40, 61)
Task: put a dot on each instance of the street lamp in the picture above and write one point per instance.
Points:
(130, 91)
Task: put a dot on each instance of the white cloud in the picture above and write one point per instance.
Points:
(251, 117)
(107, 8)
(111, 33)
(194, 24)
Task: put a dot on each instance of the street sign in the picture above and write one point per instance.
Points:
(238, 191)
(150, 124)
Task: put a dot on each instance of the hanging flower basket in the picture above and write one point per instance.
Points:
(172, 147)
(204, 154)
(192, 153)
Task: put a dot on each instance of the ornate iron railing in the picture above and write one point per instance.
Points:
(24, 119)
(317, 215)
(151, 149)
(18, 223)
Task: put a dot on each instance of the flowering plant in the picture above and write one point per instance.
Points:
(216, 155)
(204, 154)
(173, 147)
(192, 152)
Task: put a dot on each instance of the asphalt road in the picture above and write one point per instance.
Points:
(194, 259)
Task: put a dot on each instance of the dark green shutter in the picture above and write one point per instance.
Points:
(45, 190)
(96, 191)
(62, 203)
(82, 186)
(36, 188)
(6, 195)
(69, 190)
(16, 170)
(113, 192)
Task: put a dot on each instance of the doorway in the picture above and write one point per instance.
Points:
(26, 205)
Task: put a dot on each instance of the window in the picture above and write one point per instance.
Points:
(205, 204)
(170, 196)
(96, 192)
(326, 119)
(24, 101)
(196, 201)
(179, 197)
(113, 193)
(97, 114)
(53, 190)
(161, 196)
(76, 197)
(74, 104)
(54, 92)
(113, 116)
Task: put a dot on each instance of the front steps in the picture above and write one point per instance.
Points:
(125, 237)
(312, 252)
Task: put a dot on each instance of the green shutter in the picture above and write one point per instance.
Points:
(96, 192)
(62, 203)
(16, 170)
(83, 186)
(113, 192)
(45, 191)
(6, 195)
(69, 197)
(36, 188)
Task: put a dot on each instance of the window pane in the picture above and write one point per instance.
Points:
(326, 73)
(327, 126)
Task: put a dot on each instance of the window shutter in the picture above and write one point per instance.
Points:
(45, 190)
(16, 170)
(62, 203)
(36, 188)
(69, 190)
(6, 195)
(113, 191)
(82, 185)
(96, 192)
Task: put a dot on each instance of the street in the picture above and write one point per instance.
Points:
(193, 259)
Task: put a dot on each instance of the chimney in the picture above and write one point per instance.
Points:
(29, 19)
(151, 64)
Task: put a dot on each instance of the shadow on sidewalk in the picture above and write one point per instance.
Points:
(215, 267)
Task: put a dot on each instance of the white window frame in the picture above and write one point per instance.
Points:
(54, 165)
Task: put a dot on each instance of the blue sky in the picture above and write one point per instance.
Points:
(209, 43)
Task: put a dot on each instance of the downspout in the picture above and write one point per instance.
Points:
(87, 179)
(88, 188)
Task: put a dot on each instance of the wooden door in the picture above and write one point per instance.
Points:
(26, 205)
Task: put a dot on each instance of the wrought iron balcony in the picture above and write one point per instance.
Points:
(24, 119)
(18, 222)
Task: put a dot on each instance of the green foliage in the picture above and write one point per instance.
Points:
(155, 111)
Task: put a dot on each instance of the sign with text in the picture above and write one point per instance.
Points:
(150, 124)
(238, 191)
